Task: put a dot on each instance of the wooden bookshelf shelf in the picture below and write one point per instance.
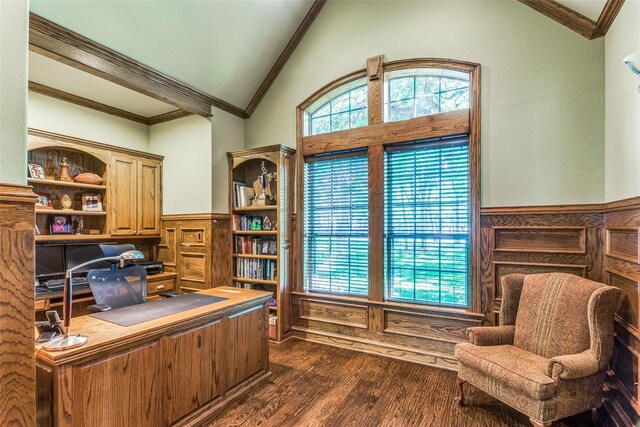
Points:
(70, 237)
(35, 181)
(255, 232)
(259, 281)
(254, 208)
(273, 308)
(63, 212)
(255, 256)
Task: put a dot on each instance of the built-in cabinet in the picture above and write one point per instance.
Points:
(130, 194)
(136, 197)
(195, 247)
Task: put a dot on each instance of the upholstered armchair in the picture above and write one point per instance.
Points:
(548, 358)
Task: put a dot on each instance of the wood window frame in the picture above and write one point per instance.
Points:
(374, 138)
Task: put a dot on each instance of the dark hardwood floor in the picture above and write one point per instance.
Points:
(318, 385)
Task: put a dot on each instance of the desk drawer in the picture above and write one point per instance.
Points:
(160, 286)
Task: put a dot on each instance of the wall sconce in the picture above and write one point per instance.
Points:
(633, 62)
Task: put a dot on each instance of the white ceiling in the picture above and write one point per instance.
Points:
(589, 8)
(224, 48)
(57, 75)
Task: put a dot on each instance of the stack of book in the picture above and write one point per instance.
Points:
(242, 194)
(262, 269)
(253, 246)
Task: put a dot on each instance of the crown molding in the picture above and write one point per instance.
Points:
(285, 55)
(575, 21)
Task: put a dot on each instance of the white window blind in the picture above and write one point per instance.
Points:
(336, 224)
(427, 222)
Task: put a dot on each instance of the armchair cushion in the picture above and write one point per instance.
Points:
(491, 335)
(510, 366)
(573, 365)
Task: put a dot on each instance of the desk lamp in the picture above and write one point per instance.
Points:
(68, 341)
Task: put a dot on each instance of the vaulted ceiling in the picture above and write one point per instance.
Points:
(222, 52)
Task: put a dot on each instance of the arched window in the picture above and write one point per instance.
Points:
(341, 109)
(416, 92)
(389, 206)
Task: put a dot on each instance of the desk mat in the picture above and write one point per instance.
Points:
(139, 313)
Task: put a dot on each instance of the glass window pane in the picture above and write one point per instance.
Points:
(340, 121)
(336, 226)
(427, 223)
(340, 103)
(423, 94)
(325, 110)
(359, 118)
(344, 111)
(359, 97)
(320, 125)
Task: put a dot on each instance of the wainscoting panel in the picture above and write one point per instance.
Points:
(621, 269)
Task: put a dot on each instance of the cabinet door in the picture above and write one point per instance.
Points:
(119, 390)
(123, 187)
(148, 197)
(192, 368)
(247, 344)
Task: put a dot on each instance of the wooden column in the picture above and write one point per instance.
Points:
(376, 224)
(374, 86)
(17, 366)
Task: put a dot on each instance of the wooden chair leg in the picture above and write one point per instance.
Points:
(535, 423)
(459, 399)
(594, 416)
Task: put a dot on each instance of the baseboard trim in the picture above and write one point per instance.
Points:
(436, 360)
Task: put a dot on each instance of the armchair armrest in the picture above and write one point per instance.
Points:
(491, 335)
(573, 366)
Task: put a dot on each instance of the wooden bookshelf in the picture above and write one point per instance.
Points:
(69, 237)
(245, 167)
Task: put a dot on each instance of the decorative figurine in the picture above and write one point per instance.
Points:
(66, 202)
(64, 171)
(266, 223)
(78, 225)
(262, 188)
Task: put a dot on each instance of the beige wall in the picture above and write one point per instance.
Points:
(14, 23)
(186, 170)
(195, 164)
(542, 87)
(53, 115)
(622, 141)
(227, 135)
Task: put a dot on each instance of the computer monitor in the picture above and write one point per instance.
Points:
(76, 254)
(49, 260)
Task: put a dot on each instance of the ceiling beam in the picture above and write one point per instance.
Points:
(575, 21)
(61, 44)
(84, 102)
(607, 16)
(285, 55)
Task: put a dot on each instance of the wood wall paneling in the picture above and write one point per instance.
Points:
(348, 314)
(17, 366)
(622, 243)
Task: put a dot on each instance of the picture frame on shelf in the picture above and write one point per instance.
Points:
(273, 249)
(265, 247)
(36, 171)
(91, 202)
(44, 201)
(60, 224)
(256, 223)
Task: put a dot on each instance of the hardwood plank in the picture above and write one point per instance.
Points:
(87, 103)
(317, 385)
(284, 56)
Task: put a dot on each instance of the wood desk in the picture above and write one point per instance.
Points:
(176, 370)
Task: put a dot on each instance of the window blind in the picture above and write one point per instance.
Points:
(336, 224)
(427, 222)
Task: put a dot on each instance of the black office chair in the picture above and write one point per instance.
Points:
(117, 288)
